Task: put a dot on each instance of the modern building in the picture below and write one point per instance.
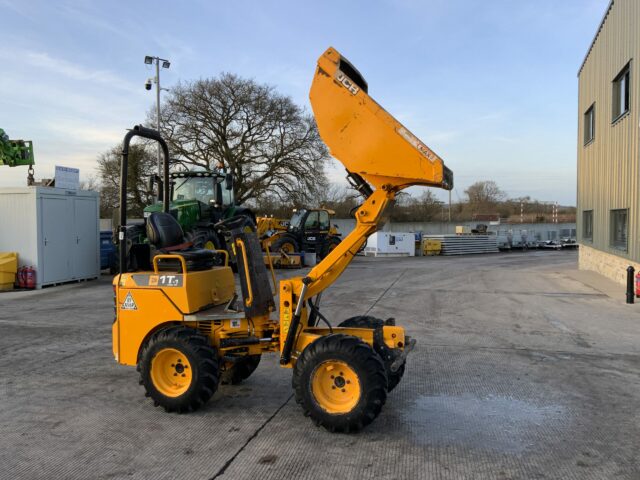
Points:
(608, 216)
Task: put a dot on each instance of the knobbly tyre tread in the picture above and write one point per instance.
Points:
(241, 370)
(277, 244)
(331, 241)
(367, 321)
(202, 357)
(371, 373)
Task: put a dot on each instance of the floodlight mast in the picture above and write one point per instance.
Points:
(150, 60)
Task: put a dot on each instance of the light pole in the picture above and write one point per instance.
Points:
(149, 60)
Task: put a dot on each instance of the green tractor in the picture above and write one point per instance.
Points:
(199, 200)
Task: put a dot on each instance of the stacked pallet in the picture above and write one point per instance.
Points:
(465, 244)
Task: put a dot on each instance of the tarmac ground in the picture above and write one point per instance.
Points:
(525, 368)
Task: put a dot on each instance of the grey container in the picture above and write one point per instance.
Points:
(56, 231)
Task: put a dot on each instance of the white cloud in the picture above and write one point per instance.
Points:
(58, 66)
(93, 135)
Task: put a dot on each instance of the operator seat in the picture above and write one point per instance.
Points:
(165, 233)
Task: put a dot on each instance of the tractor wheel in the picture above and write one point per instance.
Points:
(205, 239)
(284, 244)
(210, 242)
(340, 382)
(366, 321)
(330, 245)
(179, 369)
(241, 370)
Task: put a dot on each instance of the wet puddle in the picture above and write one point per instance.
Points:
(497, 423)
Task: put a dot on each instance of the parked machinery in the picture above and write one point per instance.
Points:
(309, 231)
(183, 326)
(14, 153)
(198, 201)
(269, 226)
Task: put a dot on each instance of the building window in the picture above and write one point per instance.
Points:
(587, 225)
(590, 124)
(621, 93)
(619, 228)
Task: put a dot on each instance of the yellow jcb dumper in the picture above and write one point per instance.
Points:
(184, 327)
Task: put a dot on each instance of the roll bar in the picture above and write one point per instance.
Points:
(138, 131)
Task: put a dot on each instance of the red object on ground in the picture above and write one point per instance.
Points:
(30, 277)
(20, 277)
(638, 284)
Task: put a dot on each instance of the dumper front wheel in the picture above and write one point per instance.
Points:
(340, 382)
(179, 369)
(366, 321)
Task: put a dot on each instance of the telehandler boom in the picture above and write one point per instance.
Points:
(16, 153)
(184, 326)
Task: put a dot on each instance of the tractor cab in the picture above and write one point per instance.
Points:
(197, 197)
(212, 189)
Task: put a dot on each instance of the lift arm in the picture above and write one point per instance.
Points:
(381, 156)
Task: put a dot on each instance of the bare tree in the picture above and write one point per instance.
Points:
(90, 183)
(484, 195)
(341, 199)
(270, 145)
(425, 208)
(142, 163)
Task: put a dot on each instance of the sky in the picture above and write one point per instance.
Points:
(491, 85)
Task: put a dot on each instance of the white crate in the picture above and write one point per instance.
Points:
(391, 244)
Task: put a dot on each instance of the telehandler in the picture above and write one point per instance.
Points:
(183, 326)
(309, 230)
(16, 153)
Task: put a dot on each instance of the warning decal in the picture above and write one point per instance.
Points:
(128, 303)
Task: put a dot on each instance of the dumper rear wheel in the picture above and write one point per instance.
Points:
(367, 321)
(340, 382)
(179, 369)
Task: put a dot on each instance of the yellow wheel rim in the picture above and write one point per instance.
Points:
(208, 245)
(287, 248)
(171, 372)
(335, 387)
